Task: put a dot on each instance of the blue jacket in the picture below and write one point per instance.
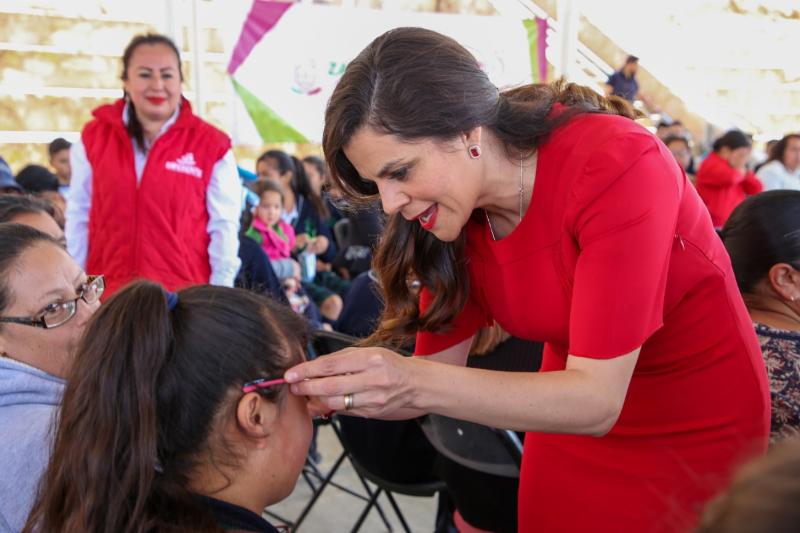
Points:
(29, 402)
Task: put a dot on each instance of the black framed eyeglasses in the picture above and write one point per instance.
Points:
(58, 313)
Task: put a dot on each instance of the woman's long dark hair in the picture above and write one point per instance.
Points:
(139, 408)
(299, 182)
(761, 232)
(134, 127)
(418, 84)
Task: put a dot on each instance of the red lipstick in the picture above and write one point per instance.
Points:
(427, 219)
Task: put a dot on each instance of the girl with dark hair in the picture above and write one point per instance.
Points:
(155, 192)
(782, 168)
(306, 213)
(45, 302)
(548, 210)
(317, 173)
(174, 418)
(762, 237)
(303, 209)
(723, 179)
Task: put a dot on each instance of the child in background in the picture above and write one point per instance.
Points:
(277, 238)
(175, 418)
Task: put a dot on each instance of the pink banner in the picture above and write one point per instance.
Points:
(262, 17)
(541, 44)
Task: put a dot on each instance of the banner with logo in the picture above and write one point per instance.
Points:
(289, 57)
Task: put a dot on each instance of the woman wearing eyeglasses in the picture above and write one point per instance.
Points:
(175, 417)
(45, 302)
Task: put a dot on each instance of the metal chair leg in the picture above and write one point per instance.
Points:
(318, 491)
(366, 511)
(398, 512)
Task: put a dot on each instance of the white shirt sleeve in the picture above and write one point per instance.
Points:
(770, 177)
(79, 203)
(224, 204)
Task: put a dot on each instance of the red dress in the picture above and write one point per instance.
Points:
(617, 251)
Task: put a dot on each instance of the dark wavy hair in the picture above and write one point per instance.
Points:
(139, 409)
(134, 127)
(761, 232)
(778, 149)
(418, 84)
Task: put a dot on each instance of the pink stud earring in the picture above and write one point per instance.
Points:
(474, 151)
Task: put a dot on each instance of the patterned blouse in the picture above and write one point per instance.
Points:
(782, 354)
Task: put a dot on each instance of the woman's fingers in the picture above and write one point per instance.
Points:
(329, 386)
(375, 377)
(341, 362)
(367, 404)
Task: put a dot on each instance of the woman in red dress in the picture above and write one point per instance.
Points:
(548, 210)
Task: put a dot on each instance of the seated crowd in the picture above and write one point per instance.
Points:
(198, 464)
(191, 444)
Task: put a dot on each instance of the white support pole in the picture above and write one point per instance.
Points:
(171, 27)
(197, 61)
(568, 15)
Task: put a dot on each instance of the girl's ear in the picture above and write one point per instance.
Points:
(256, 416)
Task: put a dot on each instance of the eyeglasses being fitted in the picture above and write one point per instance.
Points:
(58, 313)
(261, 384)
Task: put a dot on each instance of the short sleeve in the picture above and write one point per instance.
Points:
(466, 324)
(625, 213)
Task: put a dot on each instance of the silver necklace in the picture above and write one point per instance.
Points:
(520, 190)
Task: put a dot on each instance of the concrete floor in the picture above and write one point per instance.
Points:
(337, 511)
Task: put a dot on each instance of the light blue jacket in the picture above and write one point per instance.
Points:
(29, 401)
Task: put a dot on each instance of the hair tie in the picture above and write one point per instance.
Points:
(172, 300)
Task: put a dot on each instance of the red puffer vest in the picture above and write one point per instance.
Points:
(156, 229)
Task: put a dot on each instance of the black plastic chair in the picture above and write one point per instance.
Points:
(486, 449)
(323, 343)
(360, 439)
(481, 464)
(481, 467)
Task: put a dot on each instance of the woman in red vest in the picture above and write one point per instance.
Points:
(155, 193)
(548, 210)
(723, 179)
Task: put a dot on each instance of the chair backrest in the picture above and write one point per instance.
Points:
(394, 454)
(482, 448)
(485, 449)
(342, 230)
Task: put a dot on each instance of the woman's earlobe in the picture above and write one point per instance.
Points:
(785, 281)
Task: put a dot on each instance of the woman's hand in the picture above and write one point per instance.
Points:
(378, 379)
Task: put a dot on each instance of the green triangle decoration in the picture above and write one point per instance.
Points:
(270, 126)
